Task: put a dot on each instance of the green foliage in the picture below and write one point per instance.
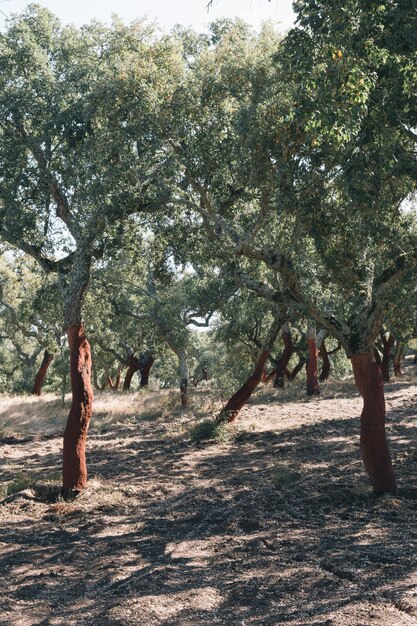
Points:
(184, 174)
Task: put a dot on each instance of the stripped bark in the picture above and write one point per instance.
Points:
(114, 384)
(40, 376)
(242, 395)
(75, 434)
(285, 357)
(373, 440)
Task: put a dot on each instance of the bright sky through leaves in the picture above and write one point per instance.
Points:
(166, 12)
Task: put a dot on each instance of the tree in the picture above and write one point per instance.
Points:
(70, 166)
(273, 191)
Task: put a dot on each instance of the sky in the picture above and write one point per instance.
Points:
(166, 12)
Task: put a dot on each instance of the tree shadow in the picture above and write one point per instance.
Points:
(277, 527)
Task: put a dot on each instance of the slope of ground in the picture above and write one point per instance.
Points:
(273, 524)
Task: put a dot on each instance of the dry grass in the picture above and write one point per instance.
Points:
(22, 416)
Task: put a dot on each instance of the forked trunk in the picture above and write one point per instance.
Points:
(284, 358)
(114, 384)
(46, 361)
(133, 366)
(297, 369)
(240, 398)
(398, 357)
(75, 434)
(373, 440)
(325, 368)
(386, 355)
(242, 395)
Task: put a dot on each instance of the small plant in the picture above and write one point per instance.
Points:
(222, 432)
(21, 482)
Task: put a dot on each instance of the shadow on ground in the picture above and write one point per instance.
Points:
(276, 527)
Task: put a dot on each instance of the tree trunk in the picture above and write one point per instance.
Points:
(270, 376)
(74, 285)
(312, 361)
(284, 358)
(377, 358)
(240, 398)
(116, 383)
(146, 363)
(398, 356)
(242, 395)
(133, 366)
(46, 361)
(292, 375)
(325, 369)
(182, 360)
(204, 376)
(373, 440)
(96, 384)
(109, 381)
(75, 434)
(386, 355)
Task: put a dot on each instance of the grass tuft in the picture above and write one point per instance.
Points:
(210, 430)
(21, 482)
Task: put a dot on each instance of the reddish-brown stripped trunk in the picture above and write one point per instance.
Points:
(116, 383)
(242, 395)
(373, 439)
(46, 361)
(75, 434)
(325, 368)
(133, 366)
(386, 355)
(284, 358)
(239, 399)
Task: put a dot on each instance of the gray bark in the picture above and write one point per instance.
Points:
(75, 284)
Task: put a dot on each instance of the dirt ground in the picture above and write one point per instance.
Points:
(275, 523)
